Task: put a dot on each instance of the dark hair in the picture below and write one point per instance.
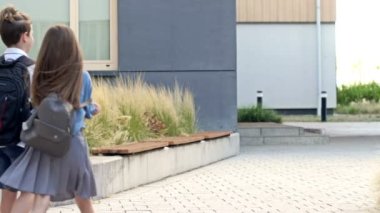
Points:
(13, 24)
(58, 67)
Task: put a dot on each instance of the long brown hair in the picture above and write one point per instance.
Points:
(58, 67)
(13, 24)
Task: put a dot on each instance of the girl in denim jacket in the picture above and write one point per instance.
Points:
(40, 177)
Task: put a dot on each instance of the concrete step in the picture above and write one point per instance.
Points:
(268, 129)
(274, 134)
(285, 140)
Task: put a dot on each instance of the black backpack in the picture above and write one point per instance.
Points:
(15, 106)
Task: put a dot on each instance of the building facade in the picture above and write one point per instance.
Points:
(277, 53)
(191, 42)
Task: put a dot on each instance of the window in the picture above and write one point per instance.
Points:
(41, 17)
(93, 21)
(95, 25)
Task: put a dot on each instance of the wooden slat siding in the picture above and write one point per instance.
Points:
(328, 10)
(269, 10)
(284, 10)
(307, 12)
(242, 8)
(295, 12)
(256, 12)
(310, 7)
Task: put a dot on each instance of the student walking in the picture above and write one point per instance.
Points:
(15, 68)
(40, 177)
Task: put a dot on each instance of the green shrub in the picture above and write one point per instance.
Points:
(358, 93)
(257, 114)
(347, 109)
(359, 108)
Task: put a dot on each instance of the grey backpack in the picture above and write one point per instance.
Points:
(48, 129)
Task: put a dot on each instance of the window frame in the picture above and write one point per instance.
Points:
(98, 65)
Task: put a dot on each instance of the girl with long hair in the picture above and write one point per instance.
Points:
(40, 177)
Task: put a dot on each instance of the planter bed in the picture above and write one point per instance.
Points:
(145, 162)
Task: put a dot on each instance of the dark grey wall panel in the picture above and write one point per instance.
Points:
(214, 94)
(192, 42)
(177, 35)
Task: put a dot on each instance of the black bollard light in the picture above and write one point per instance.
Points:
(323, 106)
(259, 96)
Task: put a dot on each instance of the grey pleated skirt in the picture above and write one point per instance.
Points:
(61, 178)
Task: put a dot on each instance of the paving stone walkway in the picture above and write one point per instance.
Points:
(336, 177)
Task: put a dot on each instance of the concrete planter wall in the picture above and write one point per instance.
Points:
(119, 173)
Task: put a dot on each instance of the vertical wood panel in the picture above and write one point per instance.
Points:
(266, 10)
(241, 6)
(290, 7)
(274, 10)
(257, 8)
(325, 11)
(328, 10)
(310, 10)
(281, 13)
(296, 10)
(304, 10)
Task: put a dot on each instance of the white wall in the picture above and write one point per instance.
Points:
(281, 60)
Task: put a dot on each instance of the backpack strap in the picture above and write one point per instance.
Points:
(2, 59)
(29, 122)
(20, 65)
(25, 61)
(6, 63)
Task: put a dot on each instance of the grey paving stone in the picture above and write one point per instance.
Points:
(335, 177)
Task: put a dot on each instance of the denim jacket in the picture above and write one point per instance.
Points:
(88, 110)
